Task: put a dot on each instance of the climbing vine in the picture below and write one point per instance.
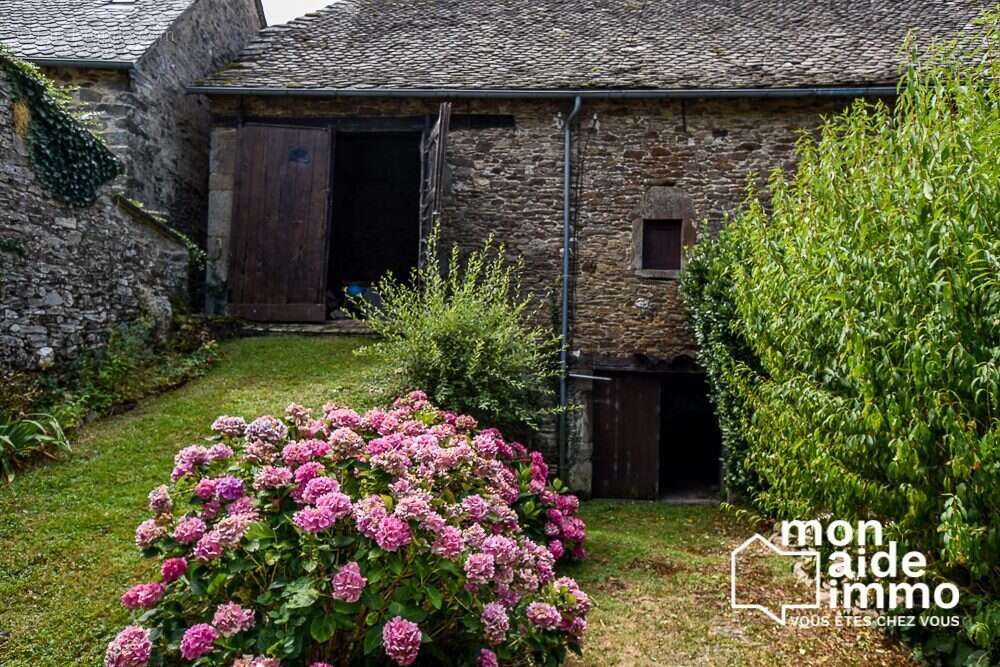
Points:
(69, 159)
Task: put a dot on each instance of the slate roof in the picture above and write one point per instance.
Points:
(587, 44)
(85, 29)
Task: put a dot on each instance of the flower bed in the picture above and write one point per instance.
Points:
(392, 536)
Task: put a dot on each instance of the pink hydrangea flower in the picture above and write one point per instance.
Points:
(344, 417)
(231, 426)
(320, 664)
(143, 596)
(449, 543)
(244, 505)
(173, 569)
(130, 648)
(557, 549)
(475, 507)
(474, 535)
(495, 622)
(503, 549)
(159, 500)
(466, 423)
(296, 453)
(266, 428)
(308, 471)
(272, 477)
(368, 514)
(413, 506)
(319, 486)
(198, 640)
(231, 530)
(543, 615)
(319, 448)
(189, 530)
(220, 452)
(487, 658)
(338, 504)
(313, 519)
(401, 640)
(231, 619)
(209, 547)
(147, 532)
(256, 661)
(229, 488)
(479, 568)
(348, 583)
(205, 489)
(393, 533)
(259, 451)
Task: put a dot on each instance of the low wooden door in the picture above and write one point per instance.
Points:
(281, 224)
(626, 433)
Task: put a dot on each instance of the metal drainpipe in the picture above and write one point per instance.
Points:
(563, 366)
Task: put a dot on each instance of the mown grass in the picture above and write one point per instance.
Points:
(658, 573)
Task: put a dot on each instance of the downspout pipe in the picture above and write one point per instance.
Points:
(564, 328)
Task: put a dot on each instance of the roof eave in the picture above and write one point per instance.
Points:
(521, 93)
(82, 63)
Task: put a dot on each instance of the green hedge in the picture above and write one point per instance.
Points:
(852, 327)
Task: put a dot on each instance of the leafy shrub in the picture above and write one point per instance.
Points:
(708, 285)
(464, 336)
(26, 438)
(349, 539)
(870, 294)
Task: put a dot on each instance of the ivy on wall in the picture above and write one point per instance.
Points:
(70, 160)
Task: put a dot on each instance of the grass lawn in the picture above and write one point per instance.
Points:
(659, 574)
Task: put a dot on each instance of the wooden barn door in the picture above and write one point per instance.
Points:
(433, 161)
(627, 436)
(281, 224)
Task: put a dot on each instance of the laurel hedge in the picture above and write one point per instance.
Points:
(851, 327)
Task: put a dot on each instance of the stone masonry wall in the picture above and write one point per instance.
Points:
(172, 156)
(149, 120)
(508, 181)
(68, 275)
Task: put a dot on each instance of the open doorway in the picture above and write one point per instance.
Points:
(690, 441)
(375, 207)
(655, 435)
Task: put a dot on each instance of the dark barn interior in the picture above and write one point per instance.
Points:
(690, 442)
(375, 206)
(655, 435)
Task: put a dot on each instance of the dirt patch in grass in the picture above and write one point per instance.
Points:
(660, 567)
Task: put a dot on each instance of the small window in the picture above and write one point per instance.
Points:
(661, 245)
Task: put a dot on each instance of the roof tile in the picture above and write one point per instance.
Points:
(588, 44)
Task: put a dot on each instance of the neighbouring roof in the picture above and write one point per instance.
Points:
(86, 30)
(591, 44)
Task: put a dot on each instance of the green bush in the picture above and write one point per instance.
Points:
(869, 291)
(26, 438)
(463, 334)
(732, 368)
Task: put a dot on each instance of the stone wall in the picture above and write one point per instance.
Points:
(148, 119)
(68, 275)
(509, 181)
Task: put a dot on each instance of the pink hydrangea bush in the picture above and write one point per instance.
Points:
(398, 536)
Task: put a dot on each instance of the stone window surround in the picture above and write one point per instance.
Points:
(662, 202)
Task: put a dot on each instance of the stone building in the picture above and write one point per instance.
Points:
(630, 127)
(129, 62)
(68, 274)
